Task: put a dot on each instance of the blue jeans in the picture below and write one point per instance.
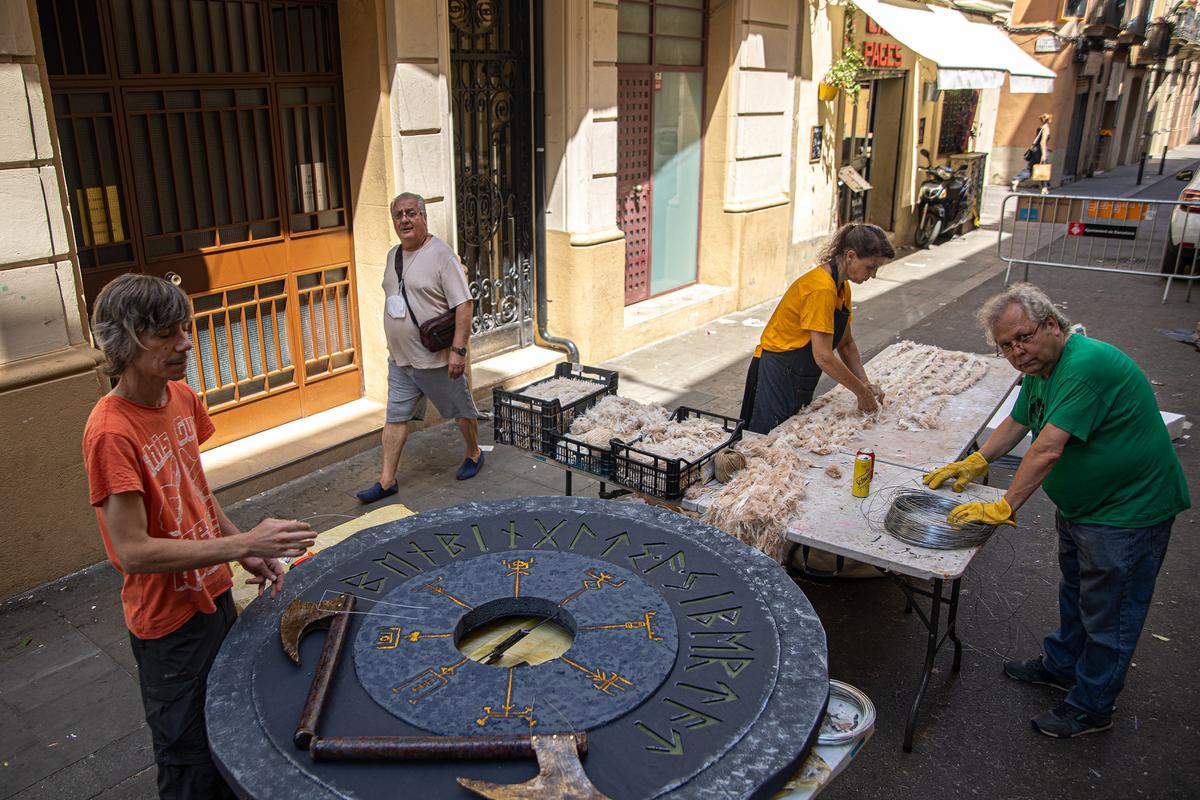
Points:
(1108, 577)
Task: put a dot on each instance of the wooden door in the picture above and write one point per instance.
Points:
(203, 142)
(635, 90)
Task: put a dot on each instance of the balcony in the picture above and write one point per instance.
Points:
(1187, 28)
(1156, 47)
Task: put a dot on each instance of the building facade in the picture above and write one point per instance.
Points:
(637, 158)
(1107, 75)
(928, 94)
(610, 172)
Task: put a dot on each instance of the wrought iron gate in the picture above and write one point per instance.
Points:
(493, 166)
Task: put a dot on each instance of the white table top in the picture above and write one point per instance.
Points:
(965, 417)
(833, 520)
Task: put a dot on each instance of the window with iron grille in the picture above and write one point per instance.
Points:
(229, 111)
(192, 128)
(958, 119)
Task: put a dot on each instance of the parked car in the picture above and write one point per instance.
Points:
(1184, 237)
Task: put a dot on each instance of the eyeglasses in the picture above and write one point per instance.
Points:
(1021, 340)
(406, 213)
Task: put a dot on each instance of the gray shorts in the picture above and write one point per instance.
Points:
(409, 387)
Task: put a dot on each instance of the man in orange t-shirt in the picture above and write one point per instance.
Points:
(162, 527)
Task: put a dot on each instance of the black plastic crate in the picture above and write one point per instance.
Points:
(595, 459)
(668, 478)
(532, 424)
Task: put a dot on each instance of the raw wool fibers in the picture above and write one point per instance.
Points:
(616, 418)
(759, 500)
(756, 505)
(689, 439)
(916, 382)
(564, 390)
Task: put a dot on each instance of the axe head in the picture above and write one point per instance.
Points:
(560, 773)
(300, 617)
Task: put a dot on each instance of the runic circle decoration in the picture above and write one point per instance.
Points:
(472, 16)
(480, 207)
(607, 608)
(697, 667)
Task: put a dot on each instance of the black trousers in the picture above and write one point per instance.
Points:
(783, 384)
(173, 673)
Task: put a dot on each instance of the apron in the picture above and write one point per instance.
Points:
(780, 384)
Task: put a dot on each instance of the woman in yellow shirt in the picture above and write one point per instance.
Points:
(811, 324)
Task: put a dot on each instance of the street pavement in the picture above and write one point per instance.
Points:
(71, 722)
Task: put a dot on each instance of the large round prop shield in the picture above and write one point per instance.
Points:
(696, 666)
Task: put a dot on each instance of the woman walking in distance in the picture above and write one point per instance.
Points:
(1038, 153)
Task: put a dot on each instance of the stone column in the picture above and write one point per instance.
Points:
(48, 376)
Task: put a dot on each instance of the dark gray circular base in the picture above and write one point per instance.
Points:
(734, 714)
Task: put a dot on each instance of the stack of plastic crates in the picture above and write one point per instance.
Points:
(533, 424)
(668, 478)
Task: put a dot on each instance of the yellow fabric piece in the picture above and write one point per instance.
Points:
(997, 513)
(806, 306)
(244, 594)
(963, 472)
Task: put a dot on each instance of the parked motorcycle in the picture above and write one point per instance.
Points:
(944, 202)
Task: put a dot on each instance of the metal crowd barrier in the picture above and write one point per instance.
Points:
(1102, 234)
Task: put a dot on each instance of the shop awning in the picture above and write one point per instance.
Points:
(969, 55)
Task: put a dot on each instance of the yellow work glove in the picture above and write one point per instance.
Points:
(997, 513)
(963, 472)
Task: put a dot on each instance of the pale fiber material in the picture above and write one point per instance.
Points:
(564, 390)
(689, 439)
(756, 505)
(616, 418)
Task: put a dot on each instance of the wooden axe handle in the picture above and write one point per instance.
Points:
(331, 654)
(428, 748)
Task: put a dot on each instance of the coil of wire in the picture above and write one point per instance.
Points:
(919, 518)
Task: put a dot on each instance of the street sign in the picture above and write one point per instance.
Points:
(1102, 231)
(1047, 44)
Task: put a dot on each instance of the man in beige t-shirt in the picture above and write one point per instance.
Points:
(423, 279)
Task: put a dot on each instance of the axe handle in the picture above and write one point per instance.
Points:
(428, 748)
(331, 654)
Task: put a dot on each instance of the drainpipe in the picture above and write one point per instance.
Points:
(539, 188)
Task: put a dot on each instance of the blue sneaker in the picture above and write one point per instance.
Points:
(1034, 670)
(469, 468)
(376, 492)
(1065, 721)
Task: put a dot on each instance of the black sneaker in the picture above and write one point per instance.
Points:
(1065, 721)
(1034, 671)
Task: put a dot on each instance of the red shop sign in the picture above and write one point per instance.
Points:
(882, 54)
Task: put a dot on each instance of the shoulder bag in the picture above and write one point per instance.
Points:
(436, 334)
(1033, 153)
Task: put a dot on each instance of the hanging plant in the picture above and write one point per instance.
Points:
(843, 73)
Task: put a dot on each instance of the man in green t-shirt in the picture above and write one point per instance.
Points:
(1103, 455)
